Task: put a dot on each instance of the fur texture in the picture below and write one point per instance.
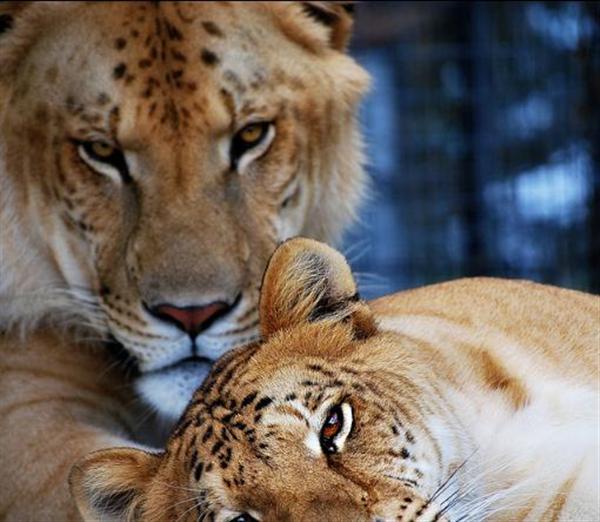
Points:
(180, 220)
(465, 401)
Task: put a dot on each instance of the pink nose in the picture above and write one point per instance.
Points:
(191, 319)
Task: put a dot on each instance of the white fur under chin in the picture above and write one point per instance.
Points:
(170, 390)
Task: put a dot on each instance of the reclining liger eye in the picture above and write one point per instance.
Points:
(243, 518)
(336, 428)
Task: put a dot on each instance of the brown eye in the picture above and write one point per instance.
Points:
(336, 428)
(333, 424)
(101, 149)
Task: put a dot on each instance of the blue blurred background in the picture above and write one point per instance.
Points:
(483, 134)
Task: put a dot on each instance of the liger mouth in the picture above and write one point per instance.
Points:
(130, 365)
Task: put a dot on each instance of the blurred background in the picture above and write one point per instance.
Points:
(483, 135)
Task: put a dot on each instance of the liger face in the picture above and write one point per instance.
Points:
(175, 145)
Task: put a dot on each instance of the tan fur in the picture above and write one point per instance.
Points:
(471, 400)
(58, 400)
(170, 84)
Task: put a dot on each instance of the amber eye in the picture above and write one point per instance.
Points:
(249, 137)
(100, 149)
(251, 134)
(102, 157)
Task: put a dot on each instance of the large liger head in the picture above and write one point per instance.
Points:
(152, 156)
(314, 423)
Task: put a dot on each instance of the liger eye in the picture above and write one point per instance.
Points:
(251, 134)
(243, 518)
(336, 428)
(247, 138)
(333, 423)
(103, 156)
(99, 149)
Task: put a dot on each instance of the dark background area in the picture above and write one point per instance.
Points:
(483, 135)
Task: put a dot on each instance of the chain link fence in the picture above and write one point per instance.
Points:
(483, 137)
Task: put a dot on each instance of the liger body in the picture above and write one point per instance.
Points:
(470, 400)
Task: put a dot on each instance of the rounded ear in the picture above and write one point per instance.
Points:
(315, 25)
(308, 281)
(108, 484)
(21, 24)
(337, 16)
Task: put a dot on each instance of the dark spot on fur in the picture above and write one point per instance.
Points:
(198, 471)
(120, 43)
(119, 71)
(263, 403)
(212, 28)
(173, 32)
(209, 58)
(144, 63)
(207, 434)
(216, 447)
(178, 56)
(248, 399)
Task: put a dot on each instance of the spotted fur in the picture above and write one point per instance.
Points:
(471, 400)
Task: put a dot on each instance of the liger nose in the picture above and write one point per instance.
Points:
(191, 319)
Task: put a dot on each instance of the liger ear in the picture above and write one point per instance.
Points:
(336, 16)
(108, 485)
(315, 25)
(307, 281)
(21, 24)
